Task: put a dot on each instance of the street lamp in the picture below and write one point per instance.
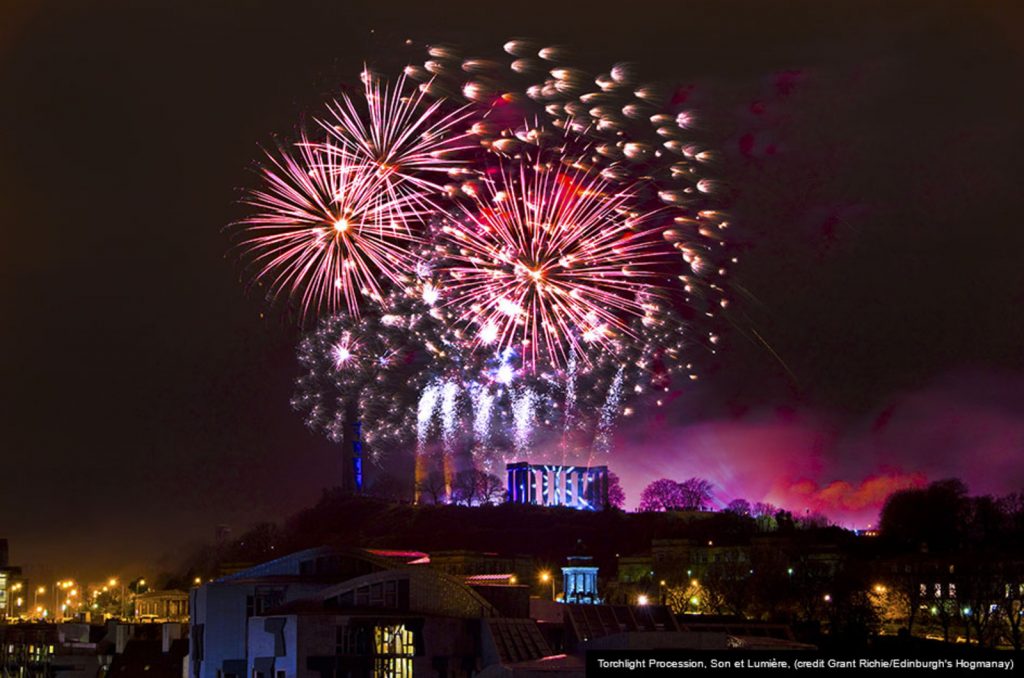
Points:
(642, 600)
(113, 583)
(546, 577)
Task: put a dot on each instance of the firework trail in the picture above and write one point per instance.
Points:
(609, 414)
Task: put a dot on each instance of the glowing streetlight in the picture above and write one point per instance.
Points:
(546, 577)
(642, 599)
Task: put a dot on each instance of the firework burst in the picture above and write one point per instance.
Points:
(411, 142)
(370, 366)
(641, 134)
(324, 231)
(506, 256)
(546, 258)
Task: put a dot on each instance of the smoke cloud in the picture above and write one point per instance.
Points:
(967, 425)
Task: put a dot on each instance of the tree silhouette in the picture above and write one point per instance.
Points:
(616, 495)
(662, 495)
(740, 507)
(668, 495)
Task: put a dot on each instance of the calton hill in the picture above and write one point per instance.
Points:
(943, 567)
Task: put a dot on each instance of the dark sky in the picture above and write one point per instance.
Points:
(872, 150)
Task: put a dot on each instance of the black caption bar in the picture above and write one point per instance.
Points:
(634, 663)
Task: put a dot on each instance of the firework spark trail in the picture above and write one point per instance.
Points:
(609, 414)
(427, 405)
(322, 232)
(483, 410)
(570, 414)
(547, 258)
(449, 413)
(523, 418)
(408, 141)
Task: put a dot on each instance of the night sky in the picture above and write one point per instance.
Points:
(873, 153)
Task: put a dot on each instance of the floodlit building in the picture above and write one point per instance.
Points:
(579, 487)
(579, 581)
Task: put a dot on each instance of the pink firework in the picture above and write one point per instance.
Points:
(325, 231)
(412, 142)
(545, 259)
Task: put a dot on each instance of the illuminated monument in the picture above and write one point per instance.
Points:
(580, 487)
(579, 581)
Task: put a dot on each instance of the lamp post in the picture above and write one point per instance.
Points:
(113, 583)
(15, 588)
(546, 577)
(40, 590)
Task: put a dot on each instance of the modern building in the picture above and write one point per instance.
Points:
(355, 612)
(579, 487)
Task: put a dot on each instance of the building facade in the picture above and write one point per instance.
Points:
(580, 487)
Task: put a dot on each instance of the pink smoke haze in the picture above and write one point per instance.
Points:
(966, 425)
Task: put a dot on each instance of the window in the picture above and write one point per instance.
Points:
(381, 594)
(393, 650)
(353, 640)
(263, 599)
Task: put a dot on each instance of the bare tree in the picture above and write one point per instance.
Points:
(432, 489)
(616, 496)
(740, 507)
(696, 494)
(474, 487)
(662, 495)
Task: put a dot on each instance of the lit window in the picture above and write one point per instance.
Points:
(393, 649)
